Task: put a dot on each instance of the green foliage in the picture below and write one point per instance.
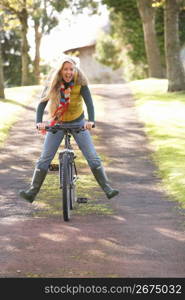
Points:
(59, 5)
(126, 20)
(16, 5)
(11, 54)
(108, 51)
(77, 6)
(44, 13)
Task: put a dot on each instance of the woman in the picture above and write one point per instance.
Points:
(64, 95)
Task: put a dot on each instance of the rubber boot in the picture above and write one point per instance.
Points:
(102, 179)
(37, 180)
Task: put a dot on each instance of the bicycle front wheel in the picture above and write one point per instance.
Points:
(65, 183)
(73, 177)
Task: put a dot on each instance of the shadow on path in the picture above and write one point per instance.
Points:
(143, 238)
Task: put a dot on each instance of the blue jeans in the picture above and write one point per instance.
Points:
(83, 140)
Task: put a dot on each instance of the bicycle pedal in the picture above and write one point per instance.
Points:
(81, 200)
(53, 167)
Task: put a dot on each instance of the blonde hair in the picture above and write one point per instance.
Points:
(54, 81)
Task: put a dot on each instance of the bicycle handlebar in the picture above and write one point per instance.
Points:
(57, 127)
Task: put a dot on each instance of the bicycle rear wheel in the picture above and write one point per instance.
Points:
(65, 184)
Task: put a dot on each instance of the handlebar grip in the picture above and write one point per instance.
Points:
(51, 127)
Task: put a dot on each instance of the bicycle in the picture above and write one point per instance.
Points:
(67, 168)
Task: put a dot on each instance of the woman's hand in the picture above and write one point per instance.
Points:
(42, 125)
(88, 125)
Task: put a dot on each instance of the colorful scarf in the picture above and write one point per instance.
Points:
(65, 92)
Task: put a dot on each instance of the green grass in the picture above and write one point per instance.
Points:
(17, 99)
(163, 114)
(49, 199)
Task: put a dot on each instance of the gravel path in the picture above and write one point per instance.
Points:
(143, 238)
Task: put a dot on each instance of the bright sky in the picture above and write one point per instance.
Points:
(81, 30)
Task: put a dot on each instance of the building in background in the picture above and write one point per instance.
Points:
(95, 71)
(79, 39)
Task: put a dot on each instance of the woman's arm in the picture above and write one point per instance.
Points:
(86, 94)
(40, 111)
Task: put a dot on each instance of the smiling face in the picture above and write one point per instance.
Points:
(67, 71)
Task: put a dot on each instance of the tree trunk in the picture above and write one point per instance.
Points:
(2, 95)
(23, 17)
(175, 71)
(38, 37)
(147, 13)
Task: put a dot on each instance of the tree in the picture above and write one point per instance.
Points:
(139, 32)
(44, 18)
(147, 13)
(125, 21)
(2, 95)
(19, 9)
(175, 71)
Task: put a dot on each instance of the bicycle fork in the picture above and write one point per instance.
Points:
(72, 167)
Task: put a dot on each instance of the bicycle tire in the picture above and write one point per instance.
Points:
(65, 183)
(72, 186)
